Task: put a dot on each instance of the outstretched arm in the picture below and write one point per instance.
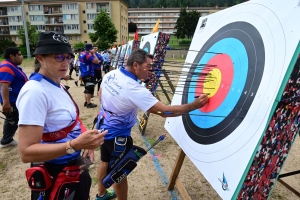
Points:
(176, 110)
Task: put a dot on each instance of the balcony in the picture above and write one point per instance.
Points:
(57, 29)
(54, 21)
(50, 10)
(72, 31)
(4, 24)
(14, 32)
(5, 32)
(54, 24)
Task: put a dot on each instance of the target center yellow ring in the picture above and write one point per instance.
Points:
(212, 82)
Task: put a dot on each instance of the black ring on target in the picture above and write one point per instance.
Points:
(147, 47)
(249, 36)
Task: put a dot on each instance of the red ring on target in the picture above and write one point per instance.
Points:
(217, 89)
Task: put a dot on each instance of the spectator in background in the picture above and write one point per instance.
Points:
(77, 66)
(87, 59)
(107, 60)
(72, 66)
(97, 68)
(12, 79)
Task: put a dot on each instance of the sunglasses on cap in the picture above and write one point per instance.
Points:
(62, 57)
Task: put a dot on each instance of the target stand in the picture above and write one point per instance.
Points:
(174, 177)
(285, 184)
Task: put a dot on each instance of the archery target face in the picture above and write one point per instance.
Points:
(129, 48)
(231, 79)
(128, 52)
(148, 42)
(245, 59)
(124, 48)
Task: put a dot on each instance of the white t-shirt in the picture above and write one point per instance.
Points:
(122, 97)
(43, 103)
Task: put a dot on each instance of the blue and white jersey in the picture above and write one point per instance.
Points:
(122, 97)
(106, 57)
(42, 102)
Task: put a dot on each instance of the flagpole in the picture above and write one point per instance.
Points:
(26, 31)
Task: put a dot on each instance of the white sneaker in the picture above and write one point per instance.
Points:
(13, 143)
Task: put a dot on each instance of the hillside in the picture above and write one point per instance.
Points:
(181, 3)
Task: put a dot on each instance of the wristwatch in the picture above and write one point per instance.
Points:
(69, 148)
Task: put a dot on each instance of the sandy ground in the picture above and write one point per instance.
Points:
(149, 180)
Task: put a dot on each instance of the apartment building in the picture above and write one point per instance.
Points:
(145, 18)
(75, 18)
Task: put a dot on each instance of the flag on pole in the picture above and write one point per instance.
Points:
(136, 35)
(155, 28)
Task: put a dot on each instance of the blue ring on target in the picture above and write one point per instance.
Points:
(238, 54)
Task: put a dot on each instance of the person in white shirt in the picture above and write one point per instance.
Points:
(121, 97)
(50, 130)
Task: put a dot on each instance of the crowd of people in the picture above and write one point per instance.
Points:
(51, 136)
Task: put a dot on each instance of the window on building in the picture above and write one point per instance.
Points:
(73, 6)
(14, 9)
(91, 16)
(77, 38)
(69, 37)
(14, 28)
(90, 26)
(71, 26)
(70, 16)
(36, 17)
(35, 7)
(14, 19)
(3, 22)
(56, 28)
(40, 27)
(17, 38)
(90, 5)
(84, 31)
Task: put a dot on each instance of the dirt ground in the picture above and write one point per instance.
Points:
(149, 180)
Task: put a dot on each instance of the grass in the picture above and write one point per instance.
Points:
(2, 166)
(26, 62)
(95, 180)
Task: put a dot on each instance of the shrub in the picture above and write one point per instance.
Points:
(78, 45)
(184, 42)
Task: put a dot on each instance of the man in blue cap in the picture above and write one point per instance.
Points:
(87, 59)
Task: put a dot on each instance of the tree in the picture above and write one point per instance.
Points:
(181, 24)
(105, 31)
(5, 44)
(193, 18)
(186, 23)
(32, 35)
(78, 45)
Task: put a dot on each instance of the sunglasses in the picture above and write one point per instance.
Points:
(62, 57)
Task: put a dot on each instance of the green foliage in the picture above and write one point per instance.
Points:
(23, 49)
(105, 31)
(4, 44)
(181, 23)
(185, 42)
(185, 29)
(32, 36)
(78, 45)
